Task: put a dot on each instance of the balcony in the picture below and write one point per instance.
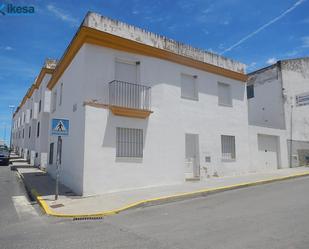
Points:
(128, 99)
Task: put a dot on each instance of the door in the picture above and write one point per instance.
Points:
(192, 164)
(126, 75)
(268, 151)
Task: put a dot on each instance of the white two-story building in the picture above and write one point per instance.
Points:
(145, 110)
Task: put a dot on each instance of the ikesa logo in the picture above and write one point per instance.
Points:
(15, 10)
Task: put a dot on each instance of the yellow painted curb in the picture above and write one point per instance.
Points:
(201, 192)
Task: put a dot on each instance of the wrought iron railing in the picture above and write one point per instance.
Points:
(129, 95)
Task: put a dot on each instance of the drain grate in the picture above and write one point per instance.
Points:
(88, 218)
(57, 205)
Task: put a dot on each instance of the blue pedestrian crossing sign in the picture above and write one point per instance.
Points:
(60, 127)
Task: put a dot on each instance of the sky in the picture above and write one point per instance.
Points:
(255, 32)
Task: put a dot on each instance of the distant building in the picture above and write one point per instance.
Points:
(278, 99)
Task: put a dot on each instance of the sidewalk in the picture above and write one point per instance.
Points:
(69, 205)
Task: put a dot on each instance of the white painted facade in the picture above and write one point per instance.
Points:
(92, 137)
(31, 123)
(273, 108)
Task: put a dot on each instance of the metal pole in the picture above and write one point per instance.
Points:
(58, 162)
(291, 137)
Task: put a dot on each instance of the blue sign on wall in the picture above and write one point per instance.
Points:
(60, 127)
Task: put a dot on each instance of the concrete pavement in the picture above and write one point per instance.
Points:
(14, 203)
(270, 216)
(70, 205)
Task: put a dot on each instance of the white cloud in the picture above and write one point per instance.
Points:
(226, 22)
(271, 61)
(305, 42)
(242, 40)
(7, 48)
(59, 13)
(306, 20)
(251, 66)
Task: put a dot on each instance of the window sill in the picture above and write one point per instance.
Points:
(228, 160)
(129, 159)
(225, 105)
(189, 98)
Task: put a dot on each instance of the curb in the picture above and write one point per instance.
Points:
(159, 200)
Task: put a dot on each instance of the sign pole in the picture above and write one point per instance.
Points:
(58, 162)
(59, 127)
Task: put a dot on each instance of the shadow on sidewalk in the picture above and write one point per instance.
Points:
(45, 185)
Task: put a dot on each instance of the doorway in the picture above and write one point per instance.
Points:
(192, 162)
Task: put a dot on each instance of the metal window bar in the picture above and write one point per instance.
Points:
(228, 147)
(129, 95)
(129, 142)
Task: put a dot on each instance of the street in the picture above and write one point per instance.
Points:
(267, 216)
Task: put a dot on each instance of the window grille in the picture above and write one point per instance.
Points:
(228, 147)
(129, 142)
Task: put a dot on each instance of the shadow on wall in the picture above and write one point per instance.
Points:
(109, 139)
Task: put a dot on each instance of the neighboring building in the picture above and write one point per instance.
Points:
(31, 120)
(278, 106)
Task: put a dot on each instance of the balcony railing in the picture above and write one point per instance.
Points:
(128, 99)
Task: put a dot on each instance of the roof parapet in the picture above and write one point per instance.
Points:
(121, 29)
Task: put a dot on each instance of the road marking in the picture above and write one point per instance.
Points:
(23, 207)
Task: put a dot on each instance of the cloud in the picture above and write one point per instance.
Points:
(271, 61)
(60, 14)
(6, 48)
(251, 66)
(306, 20)
(242, 40)
(305, 42)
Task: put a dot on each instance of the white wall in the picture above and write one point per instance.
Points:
(164, 130)
(254, 131)
(73, 146)
(41, 144)
(266, 108)
(295, 75)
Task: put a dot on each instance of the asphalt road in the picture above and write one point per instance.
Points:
(267, 216)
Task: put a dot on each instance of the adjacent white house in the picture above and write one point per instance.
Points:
(145, 110)
(31, 119)
(278, 104)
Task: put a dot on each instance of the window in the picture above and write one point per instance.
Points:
(38, 130)
(30, 113)
(29, 131)
(23, 133)
(228, 148)
(54, 101)
(40, 105)
(224, 94)
(51, 153)
(250, 91)
(129, 142)
(60, 97)
(189, 87)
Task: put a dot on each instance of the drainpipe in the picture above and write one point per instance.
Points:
(291, 136)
